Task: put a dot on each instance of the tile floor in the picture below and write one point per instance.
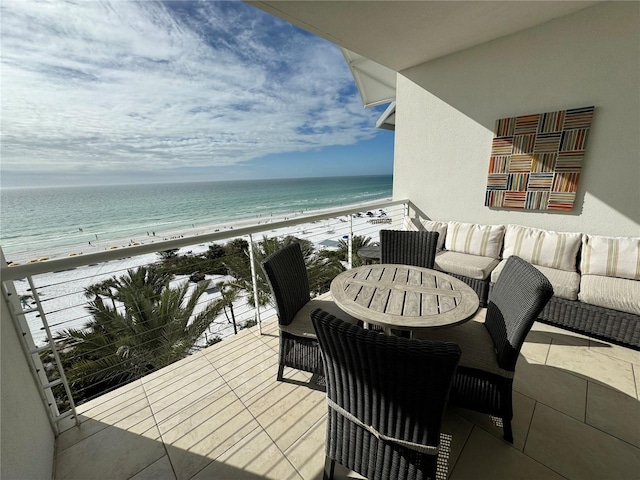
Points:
(221, 414)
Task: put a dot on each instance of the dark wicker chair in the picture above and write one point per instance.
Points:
(490, 350)
(287, 276)
(408, 247)
(386, 397)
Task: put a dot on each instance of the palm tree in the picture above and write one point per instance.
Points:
(320, 269)
(154, 325)
(357, 243)
(103, 289)
(230, 293)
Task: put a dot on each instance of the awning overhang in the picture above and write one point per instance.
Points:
(376, 83)
(387, 120)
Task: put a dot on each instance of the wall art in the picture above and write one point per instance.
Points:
(536, 160)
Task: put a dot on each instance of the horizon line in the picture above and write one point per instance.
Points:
(26, 187)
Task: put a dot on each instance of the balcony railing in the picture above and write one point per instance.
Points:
(47, 299)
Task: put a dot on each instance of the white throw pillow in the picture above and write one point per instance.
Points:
(611, 257)
(474, 239)
(543, 247)
(416, 224)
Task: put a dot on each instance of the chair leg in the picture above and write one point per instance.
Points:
(506, 429)
(332, 466)
(281, 356)
(507, 409)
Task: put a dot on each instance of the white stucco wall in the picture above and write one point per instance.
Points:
(446, 110)
(27, 441)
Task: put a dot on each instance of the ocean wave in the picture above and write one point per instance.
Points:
(118, 212)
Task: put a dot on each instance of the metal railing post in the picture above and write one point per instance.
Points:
(254, 280)
(350, 247)
(32, 352)
(54, 350)
(26, 342)
(405, 213)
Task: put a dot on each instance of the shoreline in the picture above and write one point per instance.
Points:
(62, 251)
(63, 290)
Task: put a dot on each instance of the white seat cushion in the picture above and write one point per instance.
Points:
(301, 325)
(472, 266)
(478, 350)
(611, 292)
(565, 284)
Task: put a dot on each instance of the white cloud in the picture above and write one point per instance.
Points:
(145, 86)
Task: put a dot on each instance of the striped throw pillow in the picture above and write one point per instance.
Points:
(474, 239)
(543, 247)
(417, 224)
(611, 257)
(411, 224)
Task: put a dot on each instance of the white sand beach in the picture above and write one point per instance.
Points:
(62, 292)
(309, 231)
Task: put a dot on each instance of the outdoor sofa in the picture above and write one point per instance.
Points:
(596, 279)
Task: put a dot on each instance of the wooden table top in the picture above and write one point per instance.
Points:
(404, 297)
(370, 252)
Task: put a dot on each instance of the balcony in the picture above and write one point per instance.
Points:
(220, 413)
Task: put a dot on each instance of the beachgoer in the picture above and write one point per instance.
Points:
(96, 236)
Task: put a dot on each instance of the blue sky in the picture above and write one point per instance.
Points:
(135, 92)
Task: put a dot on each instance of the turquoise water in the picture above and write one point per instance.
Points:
(39, 218)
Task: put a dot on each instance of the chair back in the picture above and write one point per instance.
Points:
(515, 302)
(408, 247)
(287, 276)
(396, 386)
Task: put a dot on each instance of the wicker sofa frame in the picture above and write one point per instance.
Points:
(481, 287)
(614, 326)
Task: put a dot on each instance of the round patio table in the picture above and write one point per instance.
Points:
(369, 254)
(404, 297)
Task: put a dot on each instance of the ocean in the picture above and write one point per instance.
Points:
(34, 219)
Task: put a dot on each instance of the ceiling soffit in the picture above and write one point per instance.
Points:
(403, 34)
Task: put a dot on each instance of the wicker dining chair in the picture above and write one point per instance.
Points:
(287, 277)
(408, 247)
(386, 397)
(490, 349)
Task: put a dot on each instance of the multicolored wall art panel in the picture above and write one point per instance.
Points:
(536, 160)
